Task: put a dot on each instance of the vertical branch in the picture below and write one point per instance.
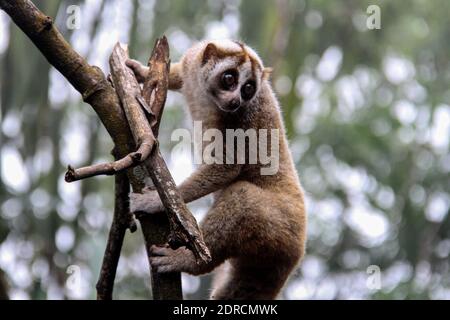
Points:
(117, 231)
(164, 285)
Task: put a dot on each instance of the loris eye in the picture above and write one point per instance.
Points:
(248, 90)
(229, 79)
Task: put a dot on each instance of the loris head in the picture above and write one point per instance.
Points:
(231, 74)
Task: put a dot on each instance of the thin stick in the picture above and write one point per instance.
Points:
(129, 161)
(105, 284)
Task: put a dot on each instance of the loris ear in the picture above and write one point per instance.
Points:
(267, 72)
(210, 52)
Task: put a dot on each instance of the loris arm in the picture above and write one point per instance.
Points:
(141, 72)
(205, 180)
(208, 179)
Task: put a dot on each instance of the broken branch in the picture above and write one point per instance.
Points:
(156, 84)
(129, 161)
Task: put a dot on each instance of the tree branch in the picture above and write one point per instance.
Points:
(129, 161)
(119, 225)
(98, 92)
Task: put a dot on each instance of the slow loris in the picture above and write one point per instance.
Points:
(257, 221)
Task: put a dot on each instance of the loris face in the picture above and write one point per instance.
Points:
(233, 74)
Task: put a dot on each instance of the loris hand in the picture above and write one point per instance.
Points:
(140, 71)
(148, 202)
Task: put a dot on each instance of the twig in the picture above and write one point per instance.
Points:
(129, 161)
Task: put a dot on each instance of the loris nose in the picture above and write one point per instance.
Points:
(234, 104)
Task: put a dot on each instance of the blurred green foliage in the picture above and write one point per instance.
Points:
(367, 114)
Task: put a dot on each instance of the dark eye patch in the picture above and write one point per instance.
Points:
(248, 90)
(229, 79)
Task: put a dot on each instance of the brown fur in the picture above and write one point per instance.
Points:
(257, 223)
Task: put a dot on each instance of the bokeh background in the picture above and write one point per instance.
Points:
(367, 115)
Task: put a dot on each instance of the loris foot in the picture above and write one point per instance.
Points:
(164, 259)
